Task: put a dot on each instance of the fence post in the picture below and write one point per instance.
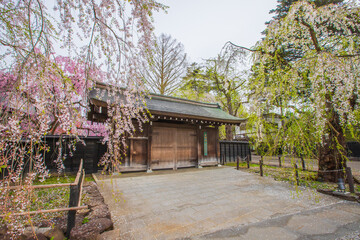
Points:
(303, 163)
(296, 174)
(74, 197)
(279, 161)
(350, 179)
(74, 200)
(248, 161)
(237, 163)
(261, 166)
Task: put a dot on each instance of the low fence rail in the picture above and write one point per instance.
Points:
(74, 199)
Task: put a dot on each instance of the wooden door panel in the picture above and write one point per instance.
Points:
(186, 152)
(208, 148)
(163, 147)
(211, 142)
(139, 153)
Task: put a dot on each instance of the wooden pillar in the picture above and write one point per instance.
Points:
(175, 150)
(221, 154)
(131, 152)
(198, 147)
(148, 159)
(217, 147)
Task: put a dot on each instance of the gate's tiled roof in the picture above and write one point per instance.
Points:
(160, 105)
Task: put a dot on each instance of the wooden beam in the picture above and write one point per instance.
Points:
(78, 175)
(44, 211)
(138, 138)
(41, 186)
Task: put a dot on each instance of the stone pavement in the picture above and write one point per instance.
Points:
(222, 203)
(330, 222)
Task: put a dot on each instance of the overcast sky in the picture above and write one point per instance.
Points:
(204, 26)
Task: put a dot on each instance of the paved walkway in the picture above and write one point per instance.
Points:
(222, 203)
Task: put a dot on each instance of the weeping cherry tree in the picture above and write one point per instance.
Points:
(307, 70)
(42, 93)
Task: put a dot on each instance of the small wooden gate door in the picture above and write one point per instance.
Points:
(138, 155)
(186, 147)
(209, 146)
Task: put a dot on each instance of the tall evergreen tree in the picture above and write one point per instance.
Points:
(283, 6)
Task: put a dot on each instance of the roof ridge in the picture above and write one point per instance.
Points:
(165, 97)
(183, 100)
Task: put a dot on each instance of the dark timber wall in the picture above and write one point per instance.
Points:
(353, 149)
(230, 150)
(90, 153)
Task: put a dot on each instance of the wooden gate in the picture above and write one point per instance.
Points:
(173, 147)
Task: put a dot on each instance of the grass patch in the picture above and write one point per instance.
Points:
(62, 179)
(306, 178)
(52, 198)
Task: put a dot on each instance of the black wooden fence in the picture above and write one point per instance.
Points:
(231, 150)
(353, 149)
(91, 153)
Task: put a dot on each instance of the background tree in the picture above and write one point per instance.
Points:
(164, 65)
(41, 93)
(223, 76)
(307, 65)
(283, 6)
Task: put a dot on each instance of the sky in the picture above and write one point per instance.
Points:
(204, 26)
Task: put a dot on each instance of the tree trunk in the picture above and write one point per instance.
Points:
(332, 152)
(229, 132)
(228, 128)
